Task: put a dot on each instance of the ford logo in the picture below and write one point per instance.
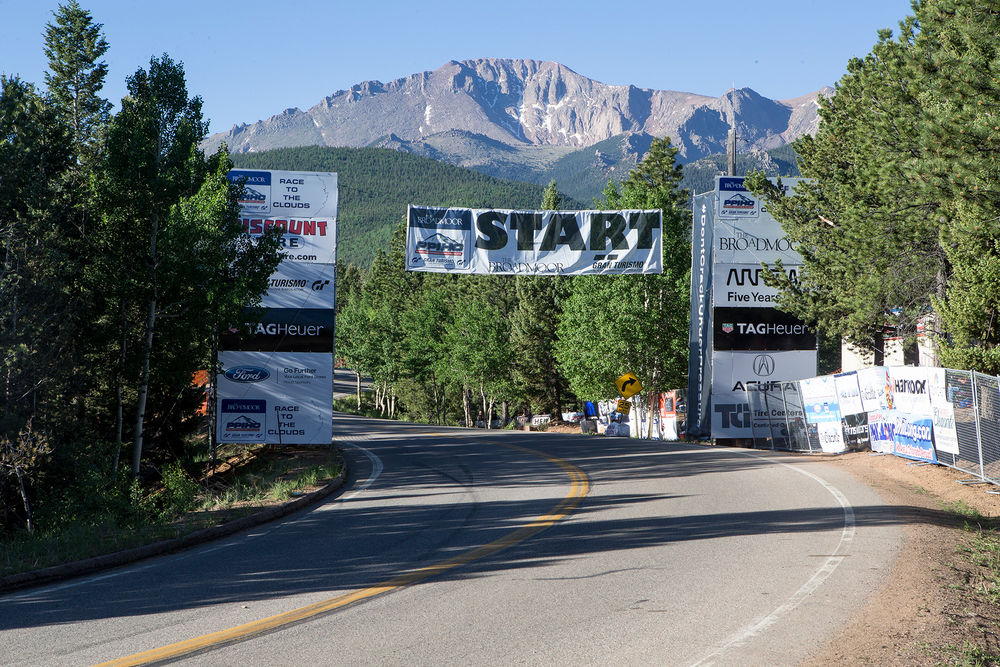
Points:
(247, 374)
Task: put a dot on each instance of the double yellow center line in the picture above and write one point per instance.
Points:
(580, 486)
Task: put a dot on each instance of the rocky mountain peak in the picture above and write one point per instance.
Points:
(521, 102)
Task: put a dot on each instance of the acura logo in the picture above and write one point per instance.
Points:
(763, 365)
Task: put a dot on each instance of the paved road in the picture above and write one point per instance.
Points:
(677, 555)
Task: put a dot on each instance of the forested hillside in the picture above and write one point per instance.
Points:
(377, 184)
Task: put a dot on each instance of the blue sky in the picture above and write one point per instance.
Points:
(250, 60)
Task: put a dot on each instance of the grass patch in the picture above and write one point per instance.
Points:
(243, 483)
(961, 508)
(973, 656)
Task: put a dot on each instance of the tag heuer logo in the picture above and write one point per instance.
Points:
(727, 327)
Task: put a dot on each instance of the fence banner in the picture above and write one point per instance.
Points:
(552, 243)
(876, 388)
(943, 413)
(856, 434)
(882, 430)
(914, 436)
(275, 397)
(910, 390)
(848, 393)
(831, 437)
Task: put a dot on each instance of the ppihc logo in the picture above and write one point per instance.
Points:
(440, 245)
(738, 202)
(242, 424)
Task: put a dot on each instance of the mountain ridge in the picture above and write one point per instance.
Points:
(521, 102)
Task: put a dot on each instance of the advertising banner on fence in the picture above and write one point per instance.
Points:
(275, 397)
(554, 243)
(848, 393)
(875, 387)
(819, 400)
(942, 413)
(914, 436)
(911, 389)
(882, 430)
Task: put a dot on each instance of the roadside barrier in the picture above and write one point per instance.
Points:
(932, 415)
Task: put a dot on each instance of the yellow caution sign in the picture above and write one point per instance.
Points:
(628, 385)
(623, 406)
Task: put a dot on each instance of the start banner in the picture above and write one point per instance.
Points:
(505, 242)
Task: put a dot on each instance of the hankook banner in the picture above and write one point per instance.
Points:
(489, 241)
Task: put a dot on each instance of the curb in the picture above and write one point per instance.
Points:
(106, 561)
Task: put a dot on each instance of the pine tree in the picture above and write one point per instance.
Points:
(74, 46)
(898, 223)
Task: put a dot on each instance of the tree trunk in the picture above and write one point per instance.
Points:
(466, 408)
(24, 498)
(357, 374)
(140, 410)
(119, 410)
(147, 354)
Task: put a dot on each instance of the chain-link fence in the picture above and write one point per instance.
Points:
(946, 416)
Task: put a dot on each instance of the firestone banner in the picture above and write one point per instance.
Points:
(506, 242)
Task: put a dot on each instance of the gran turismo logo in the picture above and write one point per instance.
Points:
(763, 365)
(318, 285)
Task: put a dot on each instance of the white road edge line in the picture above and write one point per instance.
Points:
(377, 468)
(846, 536)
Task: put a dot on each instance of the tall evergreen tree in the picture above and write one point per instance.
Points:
(35, 154)
(898, 223)
(74, 47)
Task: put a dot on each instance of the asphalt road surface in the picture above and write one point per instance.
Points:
(472, 547)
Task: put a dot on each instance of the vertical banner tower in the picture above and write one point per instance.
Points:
(753, 345)
(275, 385)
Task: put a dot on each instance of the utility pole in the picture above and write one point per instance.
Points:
(731, 152)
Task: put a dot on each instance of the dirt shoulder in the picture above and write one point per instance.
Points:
(939, 605)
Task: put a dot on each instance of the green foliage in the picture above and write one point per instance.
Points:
(613, 324)
(904, 175)
(74, 46)
(180, 492)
